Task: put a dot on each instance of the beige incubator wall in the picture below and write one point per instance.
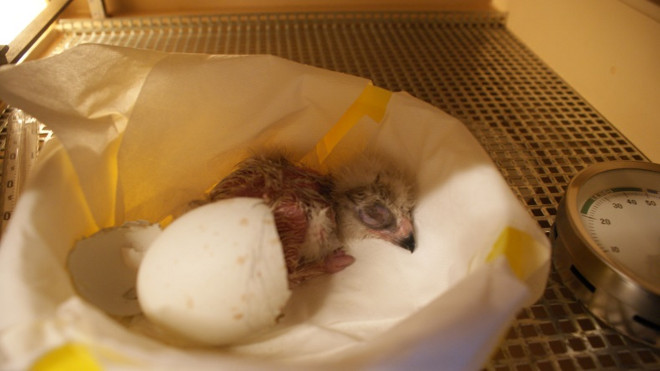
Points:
(607, 50)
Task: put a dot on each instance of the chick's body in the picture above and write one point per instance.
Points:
(315, 214)
(303, 209)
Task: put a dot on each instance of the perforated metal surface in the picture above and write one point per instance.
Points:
(537, 130)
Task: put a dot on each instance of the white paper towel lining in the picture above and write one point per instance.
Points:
(140, 133)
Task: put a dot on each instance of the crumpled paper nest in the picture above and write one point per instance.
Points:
(141, 133)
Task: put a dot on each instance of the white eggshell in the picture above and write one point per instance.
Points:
(216, 274)
(103, 267)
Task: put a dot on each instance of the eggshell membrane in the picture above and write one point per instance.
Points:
(103, 266)
(216, 274)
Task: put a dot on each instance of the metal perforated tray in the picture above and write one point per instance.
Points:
(537, 129)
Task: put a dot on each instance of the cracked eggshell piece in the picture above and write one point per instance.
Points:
(216, 274)
(103, 266)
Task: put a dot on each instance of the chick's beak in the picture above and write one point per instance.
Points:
(405, 235)
(407, 243)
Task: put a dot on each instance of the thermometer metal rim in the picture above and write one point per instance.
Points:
(611, 291)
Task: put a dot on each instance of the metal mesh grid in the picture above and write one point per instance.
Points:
(538, 131)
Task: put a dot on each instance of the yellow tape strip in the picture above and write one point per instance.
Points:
(519, 248)
(166, 221)
(372, 102)
(68, 357)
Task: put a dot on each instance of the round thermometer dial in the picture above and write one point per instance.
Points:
(625, 224)
(607, 245)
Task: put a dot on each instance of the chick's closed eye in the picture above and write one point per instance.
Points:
(376, 216)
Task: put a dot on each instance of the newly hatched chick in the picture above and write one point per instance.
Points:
(314, 213)
(375, 198)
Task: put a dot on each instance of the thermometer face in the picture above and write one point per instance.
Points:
(625, 224)
(620, 211)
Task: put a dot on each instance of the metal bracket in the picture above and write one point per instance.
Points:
(97, 9)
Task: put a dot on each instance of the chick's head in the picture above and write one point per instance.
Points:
(375, 199)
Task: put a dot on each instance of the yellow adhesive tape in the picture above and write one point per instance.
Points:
(166, 221)
(520, 250)
(68, 357)
(372, 102)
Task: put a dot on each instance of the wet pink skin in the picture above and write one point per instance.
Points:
(291, 192)
(337, 261)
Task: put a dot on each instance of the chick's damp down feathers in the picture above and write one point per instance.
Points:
(301, 201)
(314, 213)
